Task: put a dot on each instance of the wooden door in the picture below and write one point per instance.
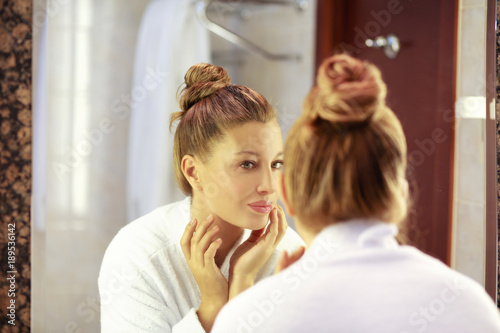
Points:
(421, 91)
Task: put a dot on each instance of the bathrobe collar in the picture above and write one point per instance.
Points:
(355, 234)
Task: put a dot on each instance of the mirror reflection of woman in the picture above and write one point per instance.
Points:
(344, 180)
(163, 274)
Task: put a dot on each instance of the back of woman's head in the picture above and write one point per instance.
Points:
(345, 157)
(211, 104)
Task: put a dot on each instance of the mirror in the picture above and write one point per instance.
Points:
(94, 99)
(82, 112)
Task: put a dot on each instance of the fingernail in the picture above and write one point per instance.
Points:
(191, 222)
(209, 217)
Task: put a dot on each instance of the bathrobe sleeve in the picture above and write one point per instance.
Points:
(132, 302)
(190, 323)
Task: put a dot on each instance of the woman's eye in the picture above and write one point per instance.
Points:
(247, 165)
(278, 164)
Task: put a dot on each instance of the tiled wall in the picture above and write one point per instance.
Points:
(279, 30)
(468, 251)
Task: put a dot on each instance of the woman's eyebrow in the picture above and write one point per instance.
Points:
(248, 152)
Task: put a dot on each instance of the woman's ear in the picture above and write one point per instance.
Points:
(190, 169)
(405, 189)
(282, 193)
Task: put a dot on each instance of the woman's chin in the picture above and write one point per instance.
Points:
(257, 224)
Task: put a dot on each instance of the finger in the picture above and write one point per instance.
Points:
(296, 255)
(274, 225)
(201, 230)
(186, 239)
(209, 256)
(282, 262)
(205, 242)
(282, 225)
(269, 237)
(272, 221)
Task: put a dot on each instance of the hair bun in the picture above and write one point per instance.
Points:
(349, 90)
(202, 80)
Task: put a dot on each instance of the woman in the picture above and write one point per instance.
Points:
(344, 180)
(163, 274)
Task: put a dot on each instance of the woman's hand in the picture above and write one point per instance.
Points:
(252, 254)
(199, 245)
(286, 260)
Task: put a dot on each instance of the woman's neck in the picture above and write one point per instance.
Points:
(228, 232)
(306, 233)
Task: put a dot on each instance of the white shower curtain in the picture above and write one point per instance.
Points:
(170, 40)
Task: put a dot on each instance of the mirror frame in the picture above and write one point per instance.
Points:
(492, 119)
(15, 150)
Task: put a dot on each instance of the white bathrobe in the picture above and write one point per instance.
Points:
(145, 283)
(355, 278)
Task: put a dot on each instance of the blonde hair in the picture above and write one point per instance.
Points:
(345, 157)
(211, 104)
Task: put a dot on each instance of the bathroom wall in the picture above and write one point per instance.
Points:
(90, 52)
(280, 30)
(468, 239)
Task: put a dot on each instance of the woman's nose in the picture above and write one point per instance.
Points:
(268, 182)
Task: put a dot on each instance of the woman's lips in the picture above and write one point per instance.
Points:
(262, 206)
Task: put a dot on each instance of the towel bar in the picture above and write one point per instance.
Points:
(201, 11)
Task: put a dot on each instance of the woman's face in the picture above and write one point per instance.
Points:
(239, 181)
